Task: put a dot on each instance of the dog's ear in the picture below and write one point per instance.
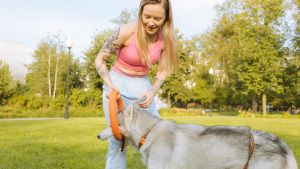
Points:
(131, 112)
(124, 131)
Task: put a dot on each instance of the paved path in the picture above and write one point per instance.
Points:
(20, 119)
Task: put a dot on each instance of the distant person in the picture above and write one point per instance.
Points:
(292, 109)
(138, 45)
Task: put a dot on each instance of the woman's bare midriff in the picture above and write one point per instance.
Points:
(130, 72)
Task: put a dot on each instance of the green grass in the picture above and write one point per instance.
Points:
(72, 144)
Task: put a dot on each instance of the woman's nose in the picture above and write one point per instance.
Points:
(151, 24)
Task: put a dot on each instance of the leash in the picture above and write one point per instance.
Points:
(115, 103)
(251, 149)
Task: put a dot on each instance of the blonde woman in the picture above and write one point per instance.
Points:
(138, 45)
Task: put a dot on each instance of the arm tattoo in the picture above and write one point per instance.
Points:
(109, 47)
(101, 65)
(157, 84)
(102, 70)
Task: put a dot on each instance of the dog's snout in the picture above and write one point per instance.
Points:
(98, 136)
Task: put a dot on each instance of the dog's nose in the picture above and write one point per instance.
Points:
(98, 136)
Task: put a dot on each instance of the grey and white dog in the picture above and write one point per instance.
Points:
(169, 145)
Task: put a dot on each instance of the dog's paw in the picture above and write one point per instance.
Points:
(105, 134)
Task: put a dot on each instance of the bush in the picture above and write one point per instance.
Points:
(180, 112)
(38, 102)
(90, 98)
(82, 104)
(282, 115)
(58, 103)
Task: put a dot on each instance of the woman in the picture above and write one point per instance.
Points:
(139, 45)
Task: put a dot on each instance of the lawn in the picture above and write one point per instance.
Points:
(72, 144)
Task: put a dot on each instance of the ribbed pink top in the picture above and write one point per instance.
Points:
(129, 57)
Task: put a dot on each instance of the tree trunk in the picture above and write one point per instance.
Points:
(49, 73)
(254, 104)
(55, 79)
(264, 104)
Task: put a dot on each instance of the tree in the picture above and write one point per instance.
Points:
(296, 58)
(291, 78)
(177, 88)
(7, 83)
(260, 48)
(217, 49)
(126, 16)
(247, 44)
(44, 77)
(57, 46)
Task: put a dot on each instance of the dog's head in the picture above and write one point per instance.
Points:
(125, 120)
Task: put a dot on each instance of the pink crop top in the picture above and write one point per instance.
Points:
(129, 58)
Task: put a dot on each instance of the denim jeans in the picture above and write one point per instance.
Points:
(131, 88)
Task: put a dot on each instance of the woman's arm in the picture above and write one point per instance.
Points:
(118, 39)
(147, 98)
(108, 48)
(158, 81)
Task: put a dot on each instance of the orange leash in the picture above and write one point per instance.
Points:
(115, 103)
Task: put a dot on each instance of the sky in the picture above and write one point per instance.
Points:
(28, 22)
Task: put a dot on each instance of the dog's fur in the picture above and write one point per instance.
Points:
(185, 146)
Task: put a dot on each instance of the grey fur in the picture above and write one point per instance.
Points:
(186, 146)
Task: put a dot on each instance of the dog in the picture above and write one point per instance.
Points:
(165, 144)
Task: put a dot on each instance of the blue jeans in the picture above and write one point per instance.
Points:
(131, 88)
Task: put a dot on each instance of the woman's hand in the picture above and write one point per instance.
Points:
(146, 99)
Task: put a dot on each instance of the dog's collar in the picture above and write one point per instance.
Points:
(143, 138)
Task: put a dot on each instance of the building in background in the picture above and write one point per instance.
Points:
(16, 55)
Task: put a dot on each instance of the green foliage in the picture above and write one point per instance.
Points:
(41, 76)
(246, 49)
(77, 75)
(177, 87)
(89, 98)
(93, 79)
(30, 101)
(180, 112)
(82, 104)
(58, 103)
(48, 72)
(7, 84)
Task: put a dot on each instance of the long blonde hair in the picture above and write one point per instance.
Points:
(169, 58)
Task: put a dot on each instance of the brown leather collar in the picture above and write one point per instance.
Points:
(251, 149)
(143, 138)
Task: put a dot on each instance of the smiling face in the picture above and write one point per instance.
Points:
(153, 17)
